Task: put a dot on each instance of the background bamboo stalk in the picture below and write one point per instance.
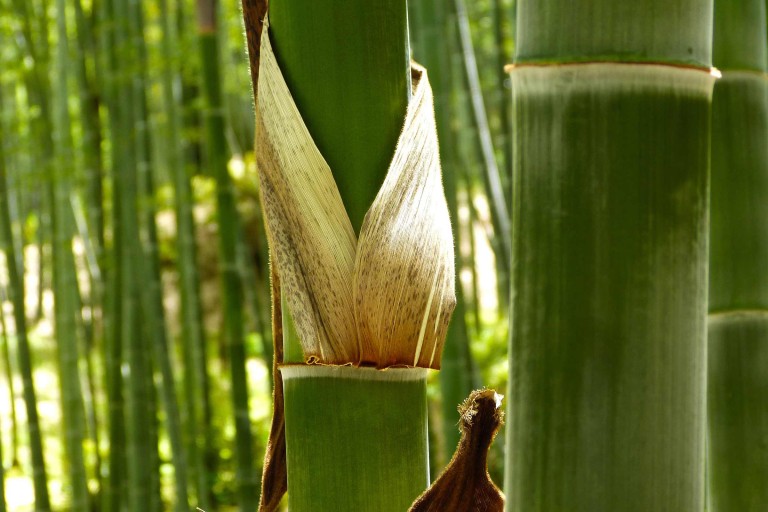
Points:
(15, 266)
(491, 176)
(10, 378)
(738, 294)
(65, 286)
(114, 486)
(193, 340)
(229, 231)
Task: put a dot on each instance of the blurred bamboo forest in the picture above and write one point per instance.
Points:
(133, 266)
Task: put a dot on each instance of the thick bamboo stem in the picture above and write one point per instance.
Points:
(610, 226)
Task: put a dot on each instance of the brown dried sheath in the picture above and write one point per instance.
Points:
(465, 485)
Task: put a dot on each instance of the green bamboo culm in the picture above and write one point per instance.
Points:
(15, 267)
(193, 335)
(229, 230)
(64, 278)
(370, 425)
(738, 293)
(611, 104)
(352, 96)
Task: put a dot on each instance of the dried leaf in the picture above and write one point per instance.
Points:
(309, 231)
(404, 269)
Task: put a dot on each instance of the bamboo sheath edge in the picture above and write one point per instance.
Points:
(391, 374)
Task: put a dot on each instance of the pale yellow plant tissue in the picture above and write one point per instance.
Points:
(386, 299)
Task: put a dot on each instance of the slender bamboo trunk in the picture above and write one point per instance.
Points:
(151, 289)
(193, 340)
(114, 488)
(64, 276)
(501, 36)
(15, 266)
(738, 293)
(87, 75)
(229, 231)
(142, 471)
(3, 506)
(611, 105)
(492, 180)
(11, 385)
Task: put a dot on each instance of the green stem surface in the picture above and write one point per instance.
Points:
(738, 293)
(356, 438)
(607, 356)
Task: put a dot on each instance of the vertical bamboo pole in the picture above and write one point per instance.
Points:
(738, 293)
(229, 230)
(491, 178)
(64, 283)
(114, 486)
(611, 105)
(193, 336)
(151, 288)
(15, 276)
(353, 98)
(10, 379)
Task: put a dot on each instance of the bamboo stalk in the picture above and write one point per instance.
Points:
(15, 266)
(738, 293)
(10, 379)
(193, 335)
(229, 231)
(352, 96)
(151, 290)
(64, 278)
(114, 486)
(491, 176)
(357, 325)
(607, 355)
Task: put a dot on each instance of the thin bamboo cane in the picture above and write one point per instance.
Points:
(229, 230)
(193, 340)
(139, 386)
(64, 278)
(738, 293)
(11, 384)
(610, 226)
(491, 170)
(151, 289)
(114, 488)
(15, 266)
